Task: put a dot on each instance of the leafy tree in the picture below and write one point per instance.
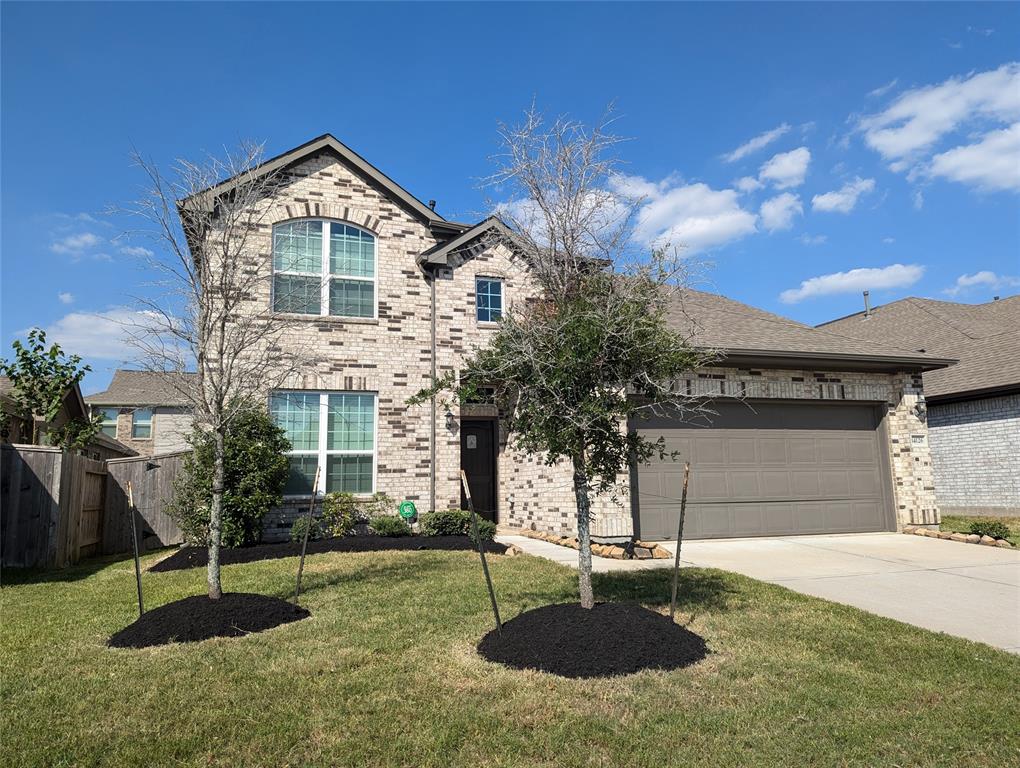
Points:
(599, 344)
(41, 378)
(255, 471)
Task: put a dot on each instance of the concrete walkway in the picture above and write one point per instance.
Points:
(962, 589)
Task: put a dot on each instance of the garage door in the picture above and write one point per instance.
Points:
(767, 469)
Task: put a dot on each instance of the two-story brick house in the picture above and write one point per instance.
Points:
(391, 294)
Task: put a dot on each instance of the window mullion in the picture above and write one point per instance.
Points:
(323, 428)
(325, 272)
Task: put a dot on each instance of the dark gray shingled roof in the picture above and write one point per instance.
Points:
(144, 388)
(984, 337)
(742, 331)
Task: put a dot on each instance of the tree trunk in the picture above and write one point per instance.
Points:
(583, 534)
(216, 517)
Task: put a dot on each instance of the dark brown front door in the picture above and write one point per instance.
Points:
(478, 460)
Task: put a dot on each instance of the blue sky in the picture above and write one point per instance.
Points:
(788, 145)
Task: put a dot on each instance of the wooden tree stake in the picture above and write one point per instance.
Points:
(481, 551)
(679, 539)
(134, 541)
(304, 539)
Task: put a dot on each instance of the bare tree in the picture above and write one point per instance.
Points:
(210, 315)
(604, 339)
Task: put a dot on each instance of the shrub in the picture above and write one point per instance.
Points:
(297, 530)
(339, 514)
(456, 522)
(390, 526)
(449, 522)
(994, 528)
(255, 471)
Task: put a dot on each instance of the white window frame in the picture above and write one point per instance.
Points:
(322, 453)
(502, 298)
(152, 424)
(325, 276)
(107, 422)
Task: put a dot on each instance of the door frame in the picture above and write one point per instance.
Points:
(493, 423)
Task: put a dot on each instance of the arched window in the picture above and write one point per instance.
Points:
(323, 268)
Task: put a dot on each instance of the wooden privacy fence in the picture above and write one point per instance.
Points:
(59, 507)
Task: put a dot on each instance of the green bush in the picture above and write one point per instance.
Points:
(390, 526)
(455, 522)
(994, 528)
(255, 467)
(297, 530)
(340, 513)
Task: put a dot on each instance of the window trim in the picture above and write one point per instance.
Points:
(325, 276)
(502, 298)
(321, 452)
(151, 425)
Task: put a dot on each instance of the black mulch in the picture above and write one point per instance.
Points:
(199, 618)
(194, 557)
(610, 639)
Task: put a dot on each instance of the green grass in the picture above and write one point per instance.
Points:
(961, 524)
(384, 673)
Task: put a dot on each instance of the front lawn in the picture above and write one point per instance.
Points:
(961, 524)
(384, 673)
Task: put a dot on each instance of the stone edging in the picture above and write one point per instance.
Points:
(963, 538)
(635, 550)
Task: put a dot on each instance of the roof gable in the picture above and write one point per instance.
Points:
(329, 143)
(144, 388)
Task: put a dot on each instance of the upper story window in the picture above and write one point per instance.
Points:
(488, 299)
(141, 424)
(108, 426)
(323, 268)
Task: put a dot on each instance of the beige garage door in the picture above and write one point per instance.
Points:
(767, 469)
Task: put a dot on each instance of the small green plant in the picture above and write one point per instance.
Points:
(390, 526)
(340, 513)
(297, 531)
(994, 528)
(456, 522)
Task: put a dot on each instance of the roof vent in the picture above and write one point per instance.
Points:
(995, 298)
(867, 304)
(432, 205)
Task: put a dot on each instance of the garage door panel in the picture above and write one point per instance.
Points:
(781, 469)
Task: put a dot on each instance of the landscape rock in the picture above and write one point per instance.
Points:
(973, 538)
(988, 540)
(643, 552)
(1003, 543)
(661, 553)
(958, 537)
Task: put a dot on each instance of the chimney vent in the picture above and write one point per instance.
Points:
(432, 205)
(995, 298)
(867, 304)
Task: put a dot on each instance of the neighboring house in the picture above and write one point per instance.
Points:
(17, 427)
(146, 410)
(829, 436)
(973, 407)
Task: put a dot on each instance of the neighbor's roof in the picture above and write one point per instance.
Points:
(329, 143)
(742, 332)
(142, 388)
(984, 337)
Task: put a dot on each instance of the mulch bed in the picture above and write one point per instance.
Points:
(194, 557)
(610, 639)
(199, 618)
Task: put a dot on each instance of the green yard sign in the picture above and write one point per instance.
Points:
(407, 510)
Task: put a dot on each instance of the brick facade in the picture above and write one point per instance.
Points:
(975, 449)
(391, 356)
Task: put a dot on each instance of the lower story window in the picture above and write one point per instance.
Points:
(331, 430)
(108, 426)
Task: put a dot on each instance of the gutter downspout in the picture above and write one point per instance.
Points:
(432, 436)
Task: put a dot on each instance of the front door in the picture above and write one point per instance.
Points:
(478, 460)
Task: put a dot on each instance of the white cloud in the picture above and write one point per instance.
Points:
(691, 215)
(993, 163)
(778, 212)
(98, 335)
(807, 239)
(888, 240)
(787, 169)
(748, 184)
(65, 297)
(909, 129)
(758, 142)
(75, 245)
(882, 90)
(135, 250)
(843, 199)
(983, 279)
(864, 279)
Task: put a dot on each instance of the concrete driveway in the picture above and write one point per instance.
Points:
(962, 589)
